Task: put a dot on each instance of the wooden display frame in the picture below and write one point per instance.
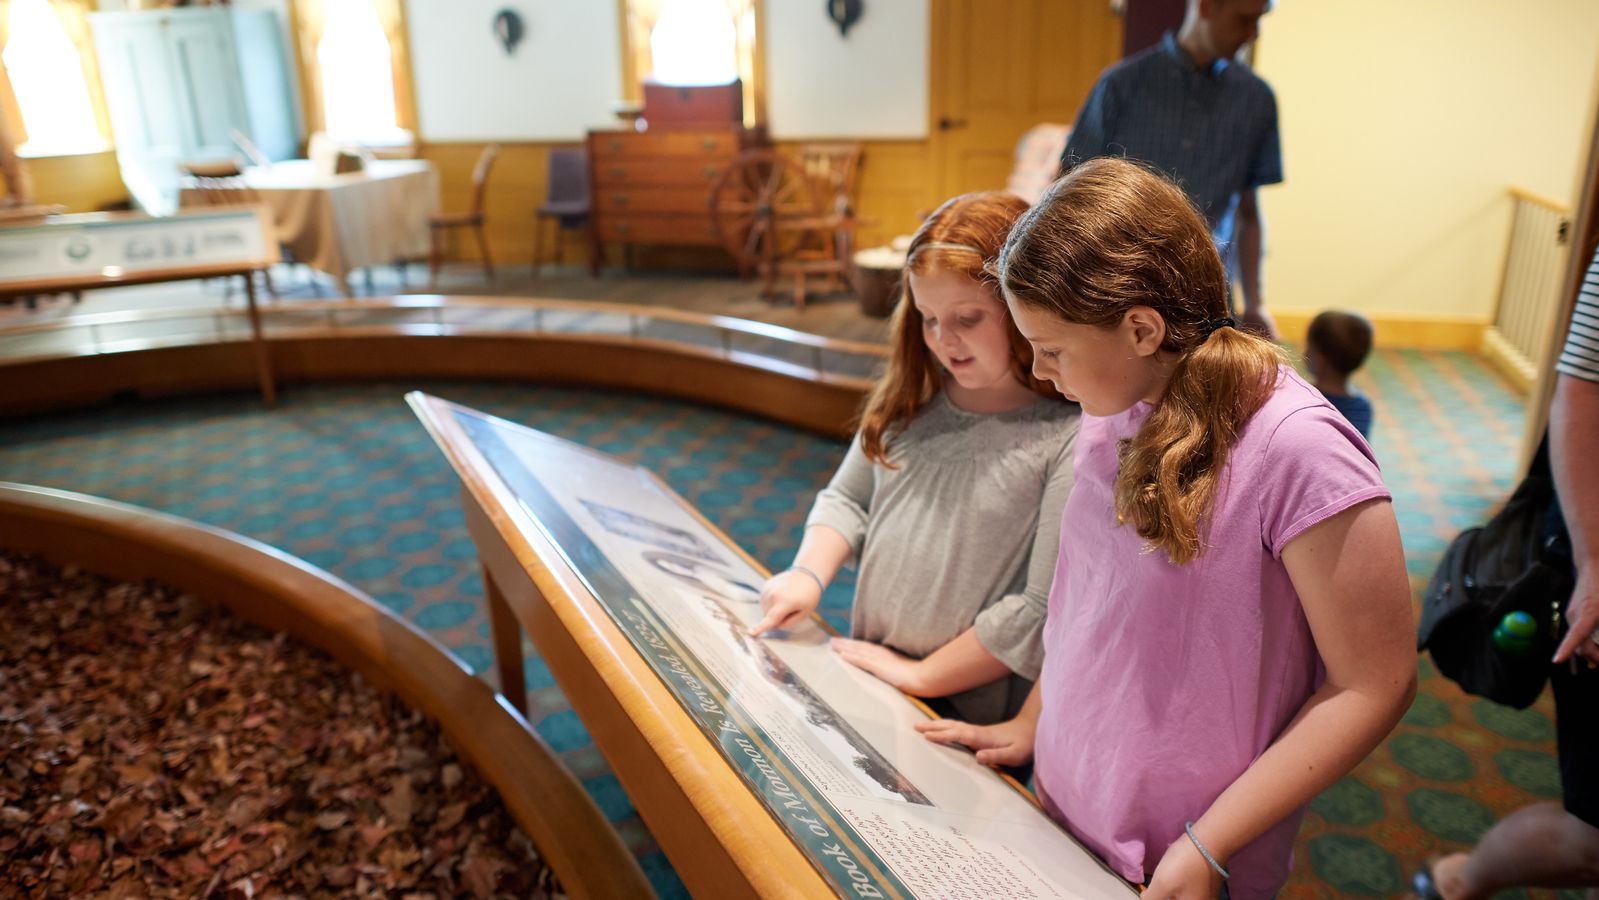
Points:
(720, 838)
(124, 276)
(761, 768)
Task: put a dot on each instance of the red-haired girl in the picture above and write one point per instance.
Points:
(950, 495)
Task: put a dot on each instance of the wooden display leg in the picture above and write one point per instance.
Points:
(507, 645)
(263, 359)
(538, 243)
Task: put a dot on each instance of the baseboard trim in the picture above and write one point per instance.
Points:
(1516, 368)
(1417, 330)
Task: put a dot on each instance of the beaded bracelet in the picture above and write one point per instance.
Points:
(815, 577)
(1189, 827)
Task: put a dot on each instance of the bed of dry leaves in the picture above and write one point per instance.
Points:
(153, 745)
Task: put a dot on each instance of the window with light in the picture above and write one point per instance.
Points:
(48, 81)
(355, 62)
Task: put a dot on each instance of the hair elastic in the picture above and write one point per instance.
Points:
(1214, 325)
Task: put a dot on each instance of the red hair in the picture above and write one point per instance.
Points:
(960, 236)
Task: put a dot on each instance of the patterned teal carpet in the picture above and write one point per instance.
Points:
(345, 477)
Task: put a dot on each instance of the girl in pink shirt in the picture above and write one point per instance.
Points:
(1229, 628)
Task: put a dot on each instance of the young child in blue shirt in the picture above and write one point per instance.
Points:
(1336, 345)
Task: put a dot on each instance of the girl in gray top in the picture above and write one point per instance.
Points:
(950, 495)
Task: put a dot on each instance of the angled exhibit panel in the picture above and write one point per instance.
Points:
(763, 765)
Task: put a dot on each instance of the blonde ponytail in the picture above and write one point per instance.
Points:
(1171, 469)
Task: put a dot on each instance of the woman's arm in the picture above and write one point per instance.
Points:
(1250, 228)
(1572, 421)
(1349, 572)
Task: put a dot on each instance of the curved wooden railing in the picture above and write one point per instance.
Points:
(266, 586)
(330, 312)
(803, 379)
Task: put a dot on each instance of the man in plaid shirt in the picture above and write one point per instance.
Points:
(1206, 120)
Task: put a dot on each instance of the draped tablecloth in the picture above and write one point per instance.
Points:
(339, 223)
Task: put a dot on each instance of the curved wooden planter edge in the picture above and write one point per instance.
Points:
(742, 382)
(269, 587)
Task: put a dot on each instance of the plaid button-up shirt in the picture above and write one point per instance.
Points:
(1213, 130)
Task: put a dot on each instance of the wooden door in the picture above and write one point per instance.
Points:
(998, 69)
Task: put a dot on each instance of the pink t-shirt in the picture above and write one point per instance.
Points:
(1162, 683)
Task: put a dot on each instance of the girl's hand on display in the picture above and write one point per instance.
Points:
(1005, 744)
(1183, 874)
(895, 668)
(787, 599)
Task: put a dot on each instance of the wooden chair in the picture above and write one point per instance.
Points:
(826, 237)
(566, 200)
(441, 224)
(221, 183)
(248, 148)
(834, 168)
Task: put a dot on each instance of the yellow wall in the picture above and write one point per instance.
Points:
(81, 183)
(1402, 125)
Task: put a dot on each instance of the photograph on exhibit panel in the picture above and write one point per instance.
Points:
(828, 749)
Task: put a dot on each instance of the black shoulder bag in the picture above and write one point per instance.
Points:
(1520, 561)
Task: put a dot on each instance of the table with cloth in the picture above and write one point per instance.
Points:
(339, 223)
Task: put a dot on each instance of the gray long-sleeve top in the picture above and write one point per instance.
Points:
(965, 531)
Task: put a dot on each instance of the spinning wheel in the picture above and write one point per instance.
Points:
(752, 195)
(778, 215)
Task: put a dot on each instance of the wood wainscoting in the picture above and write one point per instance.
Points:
(516, 188)
(897, 182)
(85, 182)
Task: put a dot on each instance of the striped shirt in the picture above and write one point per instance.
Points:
(1213, 130)
(1580, 358)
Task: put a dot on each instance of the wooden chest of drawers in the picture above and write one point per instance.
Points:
(655, 187)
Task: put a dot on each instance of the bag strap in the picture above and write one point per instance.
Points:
(1540, 467)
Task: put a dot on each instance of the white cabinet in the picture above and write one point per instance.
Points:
(178, 82)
